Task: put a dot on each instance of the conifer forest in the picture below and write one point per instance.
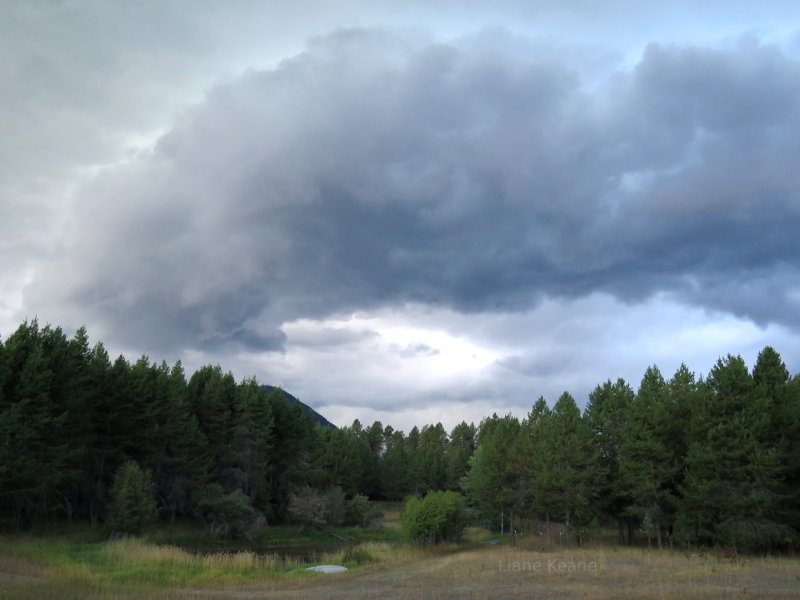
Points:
(683, 459)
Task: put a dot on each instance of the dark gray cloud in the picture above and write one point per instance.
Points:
(375, 170)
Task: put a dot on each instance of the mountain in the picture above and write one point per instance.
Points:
(318, 418)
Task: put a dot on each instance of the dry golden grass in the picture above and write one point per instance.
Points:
(20, 569)
(519, 572)
(132, 551)
(536, 568)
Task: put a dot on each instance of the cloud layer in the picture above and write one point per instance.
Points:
(377, 169)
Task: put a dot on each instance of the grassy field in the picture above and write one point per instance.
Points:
(76, 566)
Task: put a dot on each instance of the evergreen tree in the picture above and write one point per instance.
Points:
(372, 450)
(729, 492)
(413, 468)
(606, 414)
(102, 443)
(132, 504)
(781, 399)
(789, 433)
(343, 458)
(568, 475)
(182, 461)
(211, 396)
(431, 458)
(294, 437)
(496, 484)
(393, 467)
(251, 445)
(647, 465)
(4, 372)
(32, 452)
(459, 451)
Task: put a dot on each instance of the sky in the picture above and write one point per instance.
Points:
(406, 211)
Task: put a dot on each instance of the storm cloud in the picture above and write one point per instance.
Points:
(480, 175)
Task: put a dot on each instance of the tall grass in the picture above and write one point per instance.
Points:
(134, 568)
(127, 568)
(133, 551)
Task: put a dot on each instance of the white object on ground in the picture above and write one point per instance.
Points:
(328, 569)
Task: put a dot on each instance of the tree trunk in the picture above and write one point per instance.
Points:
(658, 537)
(629, 521)
(566, 530)
(512, 529)
(621, 528)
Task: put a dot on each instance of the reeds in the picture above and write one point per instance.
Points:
(133, 551)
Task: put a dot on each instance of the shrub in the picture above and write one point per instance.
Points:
(309, 507)
(358, 511)
(230, 515)
(317, 509)
(438, 517)
(357, 555)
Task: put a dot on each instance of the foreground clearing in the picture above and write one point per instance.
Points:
(383, 571)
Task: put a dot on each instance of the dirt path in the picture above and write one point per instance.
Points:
(487, 573)
(500, 573)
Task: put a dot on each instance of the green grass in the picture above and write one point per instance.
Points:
(74, 562)
(129, 566)
(63, 569)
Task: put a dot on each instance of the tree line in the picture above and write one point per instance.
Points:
(708, 461)
(687, 460)
(213, 448)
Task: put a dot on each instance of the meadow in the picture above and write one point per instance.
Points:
(72, 565)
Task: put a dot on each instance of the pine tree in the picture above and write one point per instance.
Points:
(132, 504)
(789, 428)
(211, 395)
(4, 372)
(252, 444)
(393, 466)
(567, 475)
(729, 493)
(647, 465)
(496, 483)
(431, 458)
(372, 448)
(459, 451)
(295, 436)
(101, 442)
(32, 452)
(780, 398)
(413, 468)
(607, 414)
(182, 457)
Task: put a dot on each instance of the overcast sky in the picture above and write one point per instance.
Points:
(411, 211)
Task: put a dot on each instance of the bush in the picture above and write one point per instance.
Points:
(438, 517)
(230, 515)
(309, 507)
(752, 535)
(337, 506)
(357, 555)
(330, 508)
(358, 511)
(132, 503)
